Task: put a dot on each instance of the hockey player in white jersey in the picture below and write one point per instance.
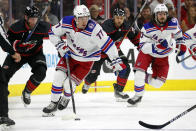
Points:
(190, 40)
(85, 42)
(155, 47)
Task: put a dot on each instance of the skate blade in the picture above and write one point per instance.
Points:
(132, 105)
(4, 127)
(25, 105)
(121, 100)
(48, 115)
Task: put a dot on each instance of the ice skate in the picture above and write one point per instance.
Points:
(50, 109)
(119, 95)
(85, 88)
(134, 101)
(6, 123)
(63, 103)
(26, 98)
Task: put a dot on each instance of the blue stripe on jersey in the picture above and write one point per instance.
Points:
(186, 36)
(50, 32)
(85, 33)
(166, 51)
(151, 31)
(107, 45)
(67, 27)
(148, 25)
(95, 54)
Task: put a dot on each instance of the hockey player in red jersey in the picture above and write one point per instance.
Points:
(155, 47)
(116, 28)
(85, 42)
(31, 50)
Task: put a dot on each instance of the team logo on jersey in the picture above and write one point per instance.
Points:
(139, 63)
(91, 26)
(93, 71)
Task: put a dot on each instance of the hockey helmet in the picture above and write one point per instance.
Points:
(119, 12)
(160, 8)
(81, 11)
(32, 11)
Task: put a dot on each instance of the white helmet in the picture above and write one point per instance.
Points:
(80, 11)
(160, 8)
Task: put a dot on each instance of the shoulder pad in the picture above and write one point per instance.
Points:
(108, 26)
(173, 22)
(148, 25)
(91, 25)
(18, 27)
(43, 27)
(67, 19)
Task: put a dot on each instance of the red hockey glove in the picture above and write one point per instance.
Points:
(182, 49)
(117, 65)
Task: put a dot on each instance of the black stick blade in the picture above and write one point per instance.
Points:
(151, 126)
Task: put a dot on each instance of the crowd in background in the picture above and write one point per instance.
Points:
(96, 7)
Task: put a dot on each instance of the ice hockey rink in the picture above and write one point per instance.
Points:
(100, 112)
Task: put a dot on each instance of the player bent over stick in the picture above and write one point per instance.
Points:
(116, 28)
(190, 40)
(155, 47)
(85, 42)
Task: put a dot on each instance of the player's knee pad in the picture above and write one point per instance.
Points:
(139, 78)
(59, 78)
(156, 83)
(39, 73)
(66, 86)
(92, 76)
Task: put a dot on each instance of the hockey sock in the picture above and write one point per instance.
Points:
(67, 90)
(31, 85)
(121, 82)
(139, 82)
(57, 86)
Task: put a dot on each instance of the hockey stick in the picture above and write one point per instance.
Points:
(179, 61)
(71, 88)
(167, 123)
(30, 34)
(136, 17)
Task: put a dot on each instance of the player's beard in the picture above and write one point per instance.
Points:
(162, 21)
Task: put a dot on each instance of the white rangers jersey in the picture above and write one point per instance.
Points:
(190, 37)
(84, 45)
(151, 35)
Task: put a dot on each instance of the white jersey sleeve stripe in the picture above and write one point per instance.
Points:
(187, 36)
(107, 45)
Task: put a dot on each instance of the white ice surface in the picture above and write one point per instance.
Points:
(100, 112)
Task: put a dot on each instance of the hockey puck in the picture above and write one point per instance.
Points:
(77, 119)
